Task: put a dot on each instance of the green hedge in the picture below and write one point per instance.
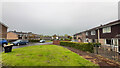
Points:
(89, 47)
(34, 40)
(97, 44)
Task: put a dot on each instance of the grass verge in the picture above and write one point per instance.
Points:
(44, 55)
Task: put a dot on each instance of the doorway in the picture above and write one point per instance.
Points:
(93, 41)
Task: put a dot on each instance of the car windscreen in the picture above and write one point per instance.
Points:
(17, 41)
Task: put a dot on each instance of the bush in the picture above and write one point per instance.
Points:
(34, 40)
(81, 46)
(61, 39)
(67, 39)
(97, 44)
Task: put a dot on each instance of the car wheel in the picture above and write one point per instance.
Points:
(18, 44)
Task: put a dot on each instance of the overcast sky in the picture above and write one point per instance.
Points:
(58, 17)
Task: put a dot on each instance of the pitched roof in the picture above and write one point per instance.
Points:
(111, 23)
(3, 24)
(18, 32)
(101, 26)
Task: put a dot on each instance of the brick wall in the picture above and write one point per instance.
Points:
(102, 41)
(12, 36)
(56, 42)
(3, 31)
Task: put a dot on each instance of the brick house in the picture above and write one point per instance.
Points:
(80, 37)
(14, 35)
(92, 35)
(3, 30)
(108, 34)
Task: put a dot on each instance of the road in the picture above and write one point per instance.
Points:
(30, 44)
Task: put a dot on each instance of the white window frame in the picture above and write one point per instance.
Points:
(112, 41)
(86, 33)
(107, 30)
(93, 32)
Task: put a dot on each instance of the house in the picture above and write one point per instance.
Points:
(108, 34)
(14, 35)
(80, 37)
(32, 36)
(3, 30)
(92, 35)
(47, 38)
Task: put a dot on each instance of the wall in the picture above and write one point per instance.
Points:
(3, 31)
(12, 36)
(92, 36)
(102, 41)
(79, 36)
(56, 42)
(114, 31)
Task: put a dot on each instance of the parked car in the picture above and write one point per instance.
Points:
(3, 42)
(42, 41)
(20, 42)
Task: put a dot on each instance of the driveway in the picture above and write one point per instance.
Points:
(30, 44)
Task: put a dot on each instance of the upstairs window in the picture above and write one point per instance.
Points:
(93, 32)
(86, 33)
(107, 30)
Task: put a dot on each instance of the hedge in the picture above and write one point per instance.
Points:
(34, 40)
(88, 47)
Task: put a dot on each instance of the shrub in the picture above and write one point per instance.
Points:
(34, 40)
(61, 39)
(81, 46)
(97, 44)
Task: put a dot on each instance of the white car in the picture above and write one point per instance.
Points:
(42, 41)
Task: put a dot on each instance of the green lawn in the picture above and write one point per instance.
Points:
(44, 55)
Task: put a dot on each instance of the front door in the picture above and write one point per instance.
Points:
(93, 40)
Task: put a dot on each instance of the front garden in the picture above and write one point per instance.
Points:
(44, 55)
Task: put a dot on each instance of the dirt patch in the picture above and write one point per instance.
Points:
(19, 54)
(97, 59)
(40, 55)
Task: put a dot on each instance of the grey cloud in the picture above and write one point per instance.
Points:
(60, 18)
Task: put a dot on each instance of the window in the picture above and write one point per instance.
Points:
(93, 32)
(19, 37)
(107, 30)
(86, 33)
(109, 41)
(25, 37)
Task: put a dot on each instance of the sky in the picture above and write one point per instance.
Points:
(59, 17)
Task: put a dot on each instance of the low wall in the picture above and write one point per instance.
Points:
(56, 42)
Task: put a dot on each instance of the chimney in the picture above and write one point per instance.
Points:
(101, 25)
(14, 31)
